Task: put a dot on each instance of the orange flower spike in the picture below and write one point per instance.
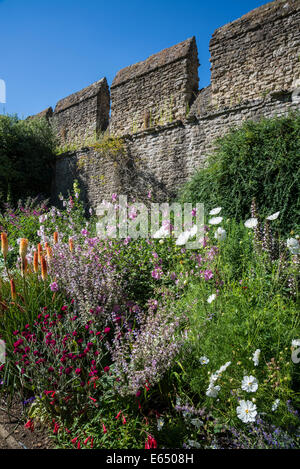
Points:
(35, 262)
(55, 237)
(43, 267)
(13, 289)
(40, 251)
(71, 244)
(4, 245)
(49, 253)
(23, 248)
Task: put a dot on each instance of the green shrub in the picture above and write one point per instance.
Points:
(258, 159)
(26, 149)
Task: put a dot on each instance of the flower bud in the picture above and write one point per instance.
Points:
(55, 237)
(4, 244)
(43, 268)
(23, 248)
(35, 262)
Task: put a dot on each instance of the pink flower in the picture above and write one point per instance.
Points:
(54, 286)
(78, 371)
(107, 330)
(104, 429)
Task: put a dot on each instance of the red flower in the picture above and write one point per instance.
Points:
(150, 442)
(104, 429)
(106, 330)
(56, 428)
(106, 369)
(29, 425)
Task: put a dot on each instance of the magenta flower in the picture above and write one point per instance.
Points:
(54, 286)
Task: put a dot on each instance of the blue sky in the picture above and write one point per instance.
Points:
(52, 48)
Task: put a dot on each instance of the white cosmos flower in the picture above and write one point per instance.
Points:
(161, 233)
(249, 384)
(273, 217)
(296, 343)
(204, 360)
(211, 298)
(193, 230)
(186, 235)
(255, 357)
(220, 234)
(212, 391)
(275, 405)
(215, 211)
(293, 245)
(182, 238)
(223, 368)
(215, 220)
(251, 223)
(246, 411)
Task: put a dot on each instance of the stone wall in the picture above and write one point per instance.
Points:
(81, 115)
(160, 159)
(255, 73)
(158, 90)
(256, 55)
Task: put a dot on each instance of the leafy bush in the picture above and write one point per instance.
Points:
(26, 149)
(257, 160)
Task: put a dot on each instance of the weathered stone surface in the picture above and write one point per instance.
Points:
(47, 113)
(156, 91)
(160, 159)
(256, 55)
(79, 116)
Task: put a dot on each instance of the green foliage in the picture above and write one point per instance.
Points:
(26, 150)
(258, 159)
(251, 311)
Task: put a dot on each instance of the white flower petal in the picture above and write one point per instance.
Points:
(273, 217)
(251, 223)
(215, 220)
(215, 211)
(211, 298)
(246, 411)
(220, 234)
